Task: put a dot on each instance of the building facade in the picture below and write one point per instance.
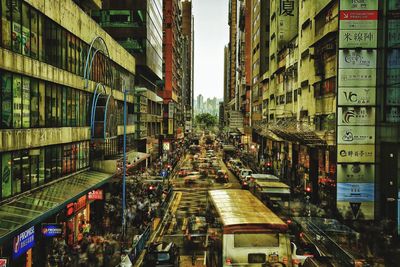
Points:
(51, 70)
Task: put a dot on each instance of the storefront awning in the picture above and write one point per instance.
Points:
(31, 209)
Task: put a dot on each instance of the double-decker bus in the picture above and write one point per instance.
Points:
(244, 232)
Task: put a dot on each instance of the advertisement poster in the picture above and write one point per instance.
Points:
(6, 175)
(356, 135)
(356, 96)
(356, 116)
(23, 242)
(357, 77)
(355, 153)
(357, 59)
(356, 173)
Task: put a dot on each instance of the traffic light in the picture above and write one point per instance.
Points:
(308, 189)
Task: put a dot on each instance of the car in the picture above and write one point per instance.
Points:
(184, 171)
(222, 176)
(161, 254)
(242, 173)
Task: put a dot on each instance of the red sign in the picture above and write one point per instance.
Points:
(3, 262)
(95, 194)
(70, 209)
(81, 203)
(358, 15)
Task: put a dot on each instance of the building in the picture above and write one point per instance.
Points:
(137, 26)
(53, 146)
(329, 119)
(200, 101)
(188, 64)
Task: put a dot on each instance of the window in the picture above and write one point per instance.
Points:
(26, 32)
(26, 102)
(34, 103)
(42, 101)
(34, 34)
(16, 172)
(6, 175)
(34, 166)
(6, 100)
(256, 240)
(16, 26)
(6, 23)
(17, 101)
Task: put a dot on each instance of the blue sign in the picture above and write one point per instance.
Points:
(355, 192)
(23, 242)
(52, 229)
(164, 173)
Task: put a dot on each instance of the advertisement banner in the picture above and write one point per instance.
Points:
(287, 21)
(357, 59)
(358, 38)
(356, 210)
(356, 96)
(356, 153)
(356, 173)
(356, 116)
(52, 229)
(355, 192)
(356, 135)
(393, 95)
(23, 242)
(357, 77)
(359, 5)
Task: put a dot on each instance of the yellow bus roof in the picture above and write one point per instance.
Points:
(272, 184)
(240, 207)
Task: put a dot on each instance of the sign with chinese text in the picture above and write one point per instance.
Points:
(52, 229)
(356, 96)
(358, 38)
(356, 173)
(356, 116)
(357, 59)
(96, 195)
(359, 5)
(352, 135)
(287, 21)
(355, 192)
(358, 19)
(393, 95)
(357, 77)
(23, 242)
(355, 153)
(80, 203)
(393, 114)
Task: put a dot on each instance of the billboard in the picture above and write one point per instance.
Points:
(356, 96)
(356, 116)
(355, 153)
(359, 59)
(360, 135)
(357, 77)
(23, 242)
(355, 173)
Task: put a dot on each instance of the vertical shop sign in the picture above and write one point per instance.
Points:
(356, 108)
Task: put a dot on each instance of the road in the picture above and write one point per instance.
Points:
(187, 201)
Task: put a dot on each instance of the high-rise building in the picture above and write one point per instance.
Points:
(52, 144)
(137, 26)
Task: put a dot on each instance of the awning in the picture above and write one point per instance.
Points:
(29, 210)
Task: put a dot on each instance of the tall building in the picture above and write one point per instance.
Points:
(188, 63)
(137, 26)
(200, 102)
(52, 144)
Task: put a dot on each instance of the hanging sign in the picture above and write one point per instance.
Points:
(23, 242)
(52, 229)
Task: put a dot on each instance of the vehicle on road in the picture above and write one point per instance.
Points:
(300, 254)
(184, 171)
(161, 254)
(222, 177)
(250, 179)
(247, 232)
(242, 173)
(275, 194)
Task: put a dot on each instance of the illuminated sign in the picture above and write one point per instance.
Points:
(356, 116)
(356, 135)
(358, 38)
(355, 153)
(359, 5)
(359, 59)
(357, 77)
(81, 203)
(3, 262)
(355, 173)
(356, 96)
(95, 194)
(166, 146)
(355, 192)
(23, 242)
(52, 229)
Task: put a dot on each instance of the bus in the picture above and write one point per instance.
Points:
(275, 194)
(244, 232)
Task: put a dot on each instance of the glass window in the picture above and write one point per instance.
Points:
(54, 105)
(34, 33)
(256, 240)
(66, 161)
(77, 109)
(26, 172)
(6, 23)
(42, 105)
(6, 99)
(16, 26)
(74, 157)
(59, 104)
(40, 37)
(82, 109)
(16, 172)
(48, 105)
(6, 175)
(64, 46)
(34, 163)
(26, 33)
(69, 106)
(17, 101)
(64, 107)
(26, 102)
(73, 108)
(34, 103)
(47, 164)
(41, 167)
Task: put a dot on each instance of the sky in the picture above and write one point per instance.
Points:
(211, 34)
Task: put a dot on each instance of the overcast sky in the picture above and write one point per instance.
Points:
(210, 37)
